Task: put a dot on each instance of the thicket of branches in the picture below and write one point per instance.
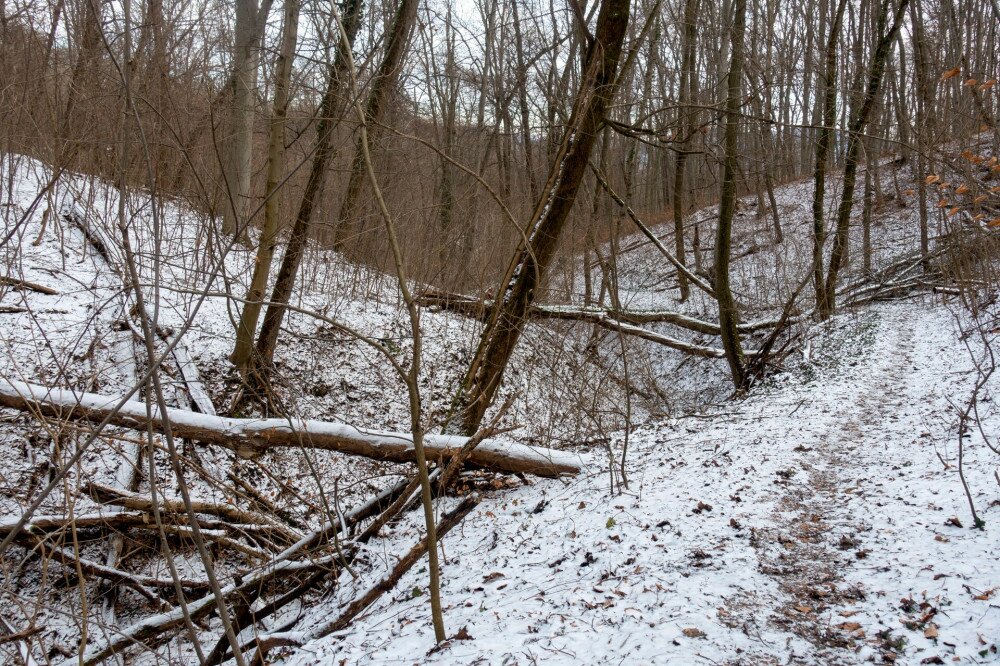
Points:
(483, 93)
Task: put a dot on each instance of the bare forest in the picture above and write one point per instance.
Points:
(499, 332)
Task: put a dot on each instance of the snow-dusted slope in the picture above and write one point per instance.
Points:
(807, 524)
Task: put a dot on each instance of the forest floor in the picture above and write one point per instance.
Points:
(819, 521)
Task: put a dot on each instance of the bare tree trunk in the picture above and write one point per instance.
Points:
(89, 50)
(829, 106)
(275, 159)
(522, 100)
(267, 340)
(449, 102)
(875, 76)
(238, 147)
(687, 130)
(382, 88)
(526, 271)
(866, 214)
(728, 314)
(925, 115)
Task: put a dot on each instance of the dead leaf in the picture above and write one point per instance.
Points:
(702, 506)
(693, 632)
(954, 521)
(931, 631)
(462, 635)
(849, 626)
(951, 73)
(804, 609)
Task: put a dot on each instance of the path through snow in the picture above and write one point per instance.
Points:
(807, 524)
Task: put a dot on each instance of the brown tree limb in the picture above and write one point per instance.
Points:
(356, 607)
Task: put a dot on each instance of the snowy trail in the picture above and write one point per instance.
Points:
(799, 552)
(782, 530)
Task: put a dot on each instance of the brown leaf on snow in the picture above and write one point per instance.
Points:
(847, 613)
(953, 521)
(804, 609)
(985, 596)
(931, 631)
(693, 632)
(462, 635)
(489, 578)
(849, 626)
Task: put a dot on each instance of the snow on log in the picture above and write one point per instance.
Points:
(250, 437)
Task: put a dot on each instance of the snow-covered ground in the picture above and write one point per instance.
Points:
(820, 520)
(811, 523)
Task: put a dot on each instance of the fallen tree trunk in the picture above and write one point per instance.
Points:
(478, 308)
(250, 437)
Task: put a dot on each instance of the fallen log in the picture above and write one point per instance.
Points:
(251, 437)
(24, 284)
(477, 308)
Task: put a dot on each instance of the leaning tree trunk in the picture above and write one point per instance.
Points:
(823, 151)
(328, 115)
(728, 314)
(839, 252)
(275, 159)
(383, 85)
(532, 258)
